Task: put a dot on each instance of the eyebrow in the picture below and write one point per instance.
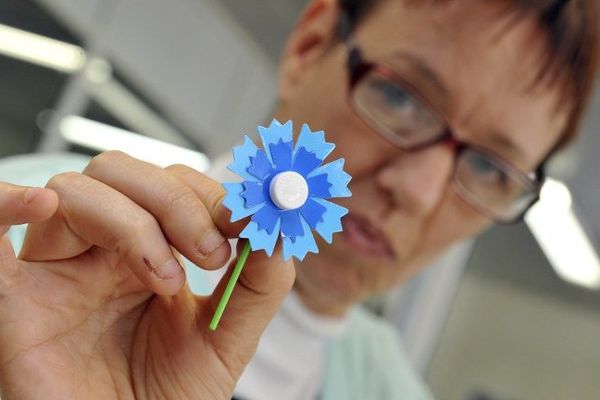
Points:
(508, 146)
(427, 74)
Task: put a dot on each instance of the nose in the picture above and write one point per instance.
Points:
(417, 181)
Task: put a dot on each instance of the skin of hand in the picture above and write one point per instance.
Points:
(96, 306)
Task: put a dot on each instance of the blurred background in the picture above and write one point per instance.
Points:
(500, 318)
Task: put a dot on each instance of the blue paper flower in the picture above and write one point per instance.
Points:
(285, 189)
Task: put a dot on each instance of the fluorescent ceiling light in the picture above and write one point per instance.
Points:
(102, 137)
(562, 238)
(40, 50)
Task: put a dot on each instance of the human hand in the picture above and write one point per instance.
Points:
(95, 306)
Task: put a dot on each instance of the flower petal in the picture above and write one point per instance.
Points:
(305, 162)
(281, 153)
(241, 158)
(331, 219)
(259, 238)
(260, 166)
(274, 133)
(312, 212)
(319, 186)
(336, 177)
(236, 203)
(253, 193)
(301, 245)
(313, 142)
(291, 226)
(267, 218)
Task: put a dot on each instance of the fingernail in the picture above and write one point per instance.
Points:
(168, 270)
(31, 194)
(210, 242)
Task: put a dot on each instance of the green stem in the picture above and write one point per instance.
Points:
(239, 266)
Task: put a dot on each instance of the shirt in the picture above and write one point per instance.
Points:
(290, 361)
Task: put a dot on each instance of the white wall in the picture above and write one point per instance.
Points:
(523, 344)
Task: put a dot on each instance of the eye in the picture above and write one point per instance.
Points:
(394, 97)
(487, 171)
(396, 110)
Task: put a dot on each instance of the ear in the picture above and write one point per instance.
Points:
(310, 39)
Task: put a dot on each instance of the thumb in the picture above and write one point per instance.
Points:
(259, 292)
(20, 205)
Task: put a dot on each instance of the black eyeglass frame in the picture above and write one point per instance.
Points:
(358, 68)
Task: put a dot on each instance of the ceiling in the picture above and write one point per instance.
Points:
(26, 88)
(269, 21)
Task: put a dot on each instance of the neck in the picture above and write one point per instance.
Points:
(320, 306)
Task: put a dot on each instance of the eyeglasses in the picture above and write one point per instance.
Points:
(395, 110)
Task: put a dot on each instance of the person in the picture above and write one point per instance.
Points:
(446, 113)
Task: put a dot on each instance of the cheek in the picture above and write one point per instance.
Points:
(454, 220)
(362, 149)
(334, 272)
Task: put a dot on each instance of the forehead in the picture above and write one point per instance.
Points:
(485, 63)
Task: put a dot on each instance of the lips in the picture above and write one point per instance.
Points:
(365, 238)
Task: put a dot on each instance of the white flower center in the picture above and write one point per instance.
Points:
(288, 190)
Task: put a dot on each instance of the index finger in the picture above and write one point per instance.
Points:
(21, 205)
(211, 193)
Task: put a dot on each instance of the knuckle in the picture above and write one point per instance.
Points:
(178, 168)
(144, 223)
(64, 180)
(104, 158)
(210, 192)
(215, 199)
(184, 173)
(181, 198)
(140, 227)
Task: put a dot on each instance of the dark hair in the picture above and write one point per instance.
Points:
(572, 29)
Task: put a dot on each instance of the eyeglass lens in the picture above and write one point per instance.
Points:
(395, 112)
